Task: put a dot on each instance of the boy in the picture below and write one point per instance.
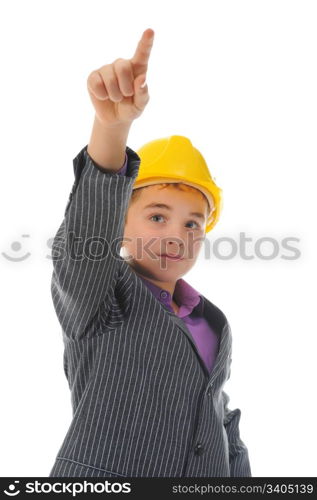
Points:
(146, 356)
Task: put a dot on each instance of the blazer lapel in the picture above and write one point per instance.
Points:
(218, 322)
(180, 323)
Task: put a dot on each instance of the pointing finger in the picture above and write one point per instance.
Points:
(142, 53)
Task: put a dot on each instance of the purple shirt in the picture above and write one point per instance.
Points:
(123, 169)
(190, 310)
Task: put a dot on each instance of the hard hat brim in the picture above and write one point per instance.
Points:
(211, 191)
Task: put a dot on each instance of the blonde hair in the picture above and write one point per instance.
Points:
(176, 185)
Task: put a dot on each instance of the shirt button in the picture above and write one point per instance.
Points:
(163, 295)
(199, 449)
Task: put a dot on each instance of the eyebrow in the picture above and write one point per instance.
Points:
(167, 207)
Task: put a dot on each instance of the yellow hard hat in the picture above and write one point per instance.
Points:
(174, 159)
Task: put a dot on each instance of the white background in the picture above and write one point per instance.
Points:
(239, 79)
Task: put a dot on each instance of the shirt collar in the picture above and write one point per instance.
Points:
(186, 296)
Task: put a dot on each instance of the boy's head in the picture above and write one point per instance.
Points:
(177, 226)
(173, 175)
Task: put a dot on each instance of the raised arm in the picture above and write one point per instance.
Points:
(86, 247)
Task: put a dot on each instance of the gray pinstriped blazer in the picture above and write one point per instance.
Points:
(144, 404)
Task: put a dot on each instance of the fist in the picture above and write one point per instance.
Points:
(119, 91)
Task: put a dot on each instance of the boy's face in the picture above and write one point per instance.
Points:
(152, 231)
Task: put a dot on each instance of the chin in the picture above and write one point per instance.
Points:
(171, 273)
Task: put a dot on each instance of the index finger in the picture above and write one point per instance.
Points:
(142, 52)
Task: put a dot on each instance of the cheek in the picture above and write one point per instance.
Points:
(195, 242)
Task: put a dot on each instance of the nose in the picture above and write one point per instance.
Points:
(174, 246)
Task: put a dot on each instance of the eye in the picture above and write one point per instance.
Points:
(156, 215)
(198, 226)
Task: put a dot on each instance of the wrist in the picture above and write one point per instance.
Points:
(115, 126)
(107, 145)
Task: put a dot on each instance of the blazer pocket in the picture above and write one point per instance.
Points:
(69, 467)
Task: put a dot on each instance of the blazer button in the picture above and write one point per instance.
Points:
(208, 391)
(199, 449)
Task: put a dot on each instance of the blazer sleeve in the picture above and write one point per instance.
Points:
(86, 247)
(238, 452)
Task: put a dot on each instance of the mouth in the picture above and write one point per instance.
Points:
(171, 256)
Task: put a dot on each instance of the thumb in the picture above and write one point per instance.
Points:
(141, 95)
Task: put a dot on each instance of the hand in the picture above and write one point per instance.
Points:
(115, 89)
